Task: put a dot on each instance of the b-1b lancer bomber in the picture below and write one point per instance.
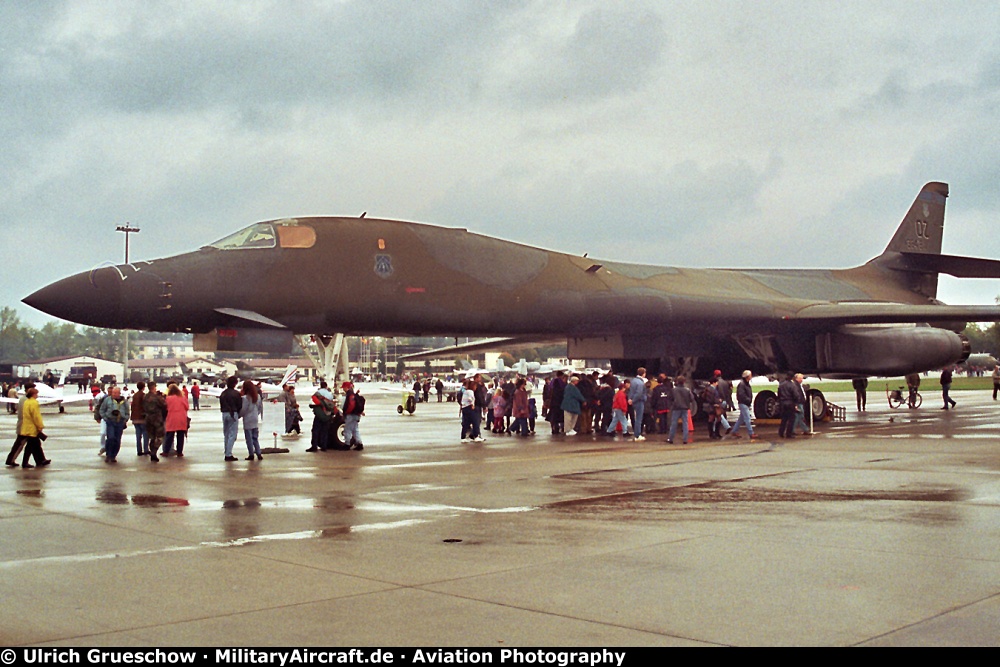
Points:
(327, 275)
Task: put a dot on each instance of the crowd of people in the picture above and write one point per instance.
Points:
(572, 404)
(158, 420)
(602, 404)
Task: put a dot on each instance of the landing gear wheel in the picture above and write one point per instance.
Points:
(337, 432)
(818, 404)
(411, 405)
(399, 409)
(765, 405)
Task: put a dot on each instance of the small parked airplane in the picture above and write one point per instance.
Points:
(52, 396)
(267, 389)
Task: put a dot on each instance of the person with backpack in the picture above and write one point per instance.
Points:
(323, 409)
(354, 410)
(711, 403)
(155, 407)
(292, 414)
(114, 411)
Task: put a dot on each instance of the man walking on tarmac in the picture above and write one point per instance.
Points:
(744, 398)
(637, 400)
(354, 410)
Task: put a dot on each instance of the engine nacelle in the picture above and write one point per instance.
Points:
(893, 350)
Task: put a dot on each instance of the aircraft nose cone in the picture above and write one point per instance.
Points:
(92, 298)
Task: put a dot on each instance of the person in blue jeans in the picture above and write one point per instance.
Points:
(138, 416)
(744, 399)
(251, 412)
(637, 401)
(682, 400)
(114, 412)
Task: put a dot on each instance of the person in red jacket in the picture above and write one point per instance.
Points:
(620, 409)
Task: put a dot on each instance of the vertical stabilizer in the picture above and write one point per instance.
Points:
(923, 225)
(919, 235)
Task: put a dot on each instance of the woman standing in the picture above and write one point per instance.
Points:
(252, 411)
(176, 422)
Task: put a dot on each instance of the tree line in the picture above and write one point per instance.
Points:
(20, 343)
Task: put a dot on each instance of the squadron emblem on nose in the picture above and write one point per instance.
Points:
(383, 266)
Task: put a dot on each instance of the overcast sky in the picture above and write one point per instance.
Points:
(733, 134)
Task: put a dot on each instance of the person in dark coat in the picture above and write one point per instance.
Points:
(230, 404)
(861, 392)
(605, 404)
(660, 403)
(556, 394)
(155, 408)
(945, 388)
(790, 396)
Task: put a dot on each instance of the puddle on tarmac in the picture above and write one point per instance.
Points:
(727, 497)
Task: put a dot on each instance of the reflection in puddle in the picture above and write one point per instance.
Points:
(112, 494)
(339, 531)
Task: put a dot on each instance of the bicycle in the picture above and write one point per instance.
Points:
(895, 397)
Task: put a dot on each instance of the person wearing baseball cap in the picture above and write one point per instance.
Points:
(354, 410)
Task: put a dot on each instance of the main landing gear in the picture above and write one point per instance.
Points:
(765, 404)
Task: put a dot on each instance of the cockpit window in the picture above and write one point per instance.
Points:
(260, 235)
(296, 236)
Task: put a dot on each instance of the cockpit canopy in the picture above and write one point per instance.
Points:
(284, 233)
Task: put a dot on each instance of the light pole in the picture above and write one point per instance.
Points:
(126, 229)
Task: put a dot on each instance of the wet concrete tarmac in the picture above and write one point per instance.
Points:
(884, 530)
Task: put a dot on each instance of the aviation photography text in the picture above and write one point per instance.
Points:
(307, 656)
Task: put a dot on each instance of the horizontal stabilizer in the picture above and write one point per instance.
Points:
(953, 265)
